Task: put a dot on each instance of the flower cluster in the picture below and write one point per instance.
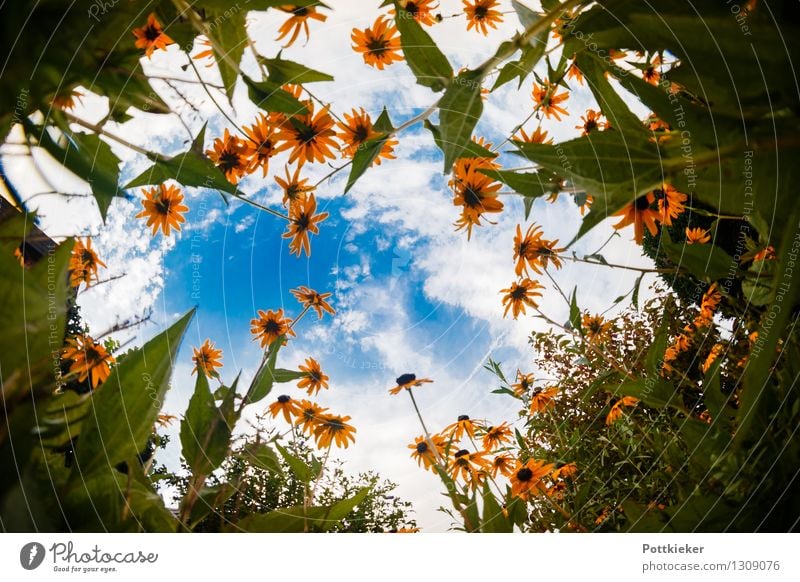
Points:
(662, 205)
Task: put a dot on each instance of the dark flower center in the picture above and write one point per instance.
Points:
(642, 204)
(229, 161)
(518, 293)
(524, 474)
(461, 453)
(422, 448)
(378, 46)
(590, 125)
(405, 379)
(163, 206)
(481, 11)
(283, 398)
(463, 417)
(360, 133)
(472, 197)
(92, 355)
(272, 327)
(334, 425)
(303, 221)
(87, 257)
(151, 33)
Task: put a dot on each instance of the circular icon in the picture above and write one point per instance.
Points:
(31, 555)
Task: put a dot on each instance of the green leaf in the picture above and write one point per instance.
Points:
(612, 169)
(297, 465)
(89, 158)
(713, 396)
(210, 499)
(205, 433)
(531, 52)
(265, 377)
(529, 184)
(655, 392)
(262, 456)
(269, 96)
(493, 519)
(281, 375)
(231, 38)
(368, 151)
(635, 295)
(706, 262)
(575, 312)
(125, 408)
(460, 108)
(424, 58)
(655, 355)
(190, 168)
(282, 71)
(471, 149)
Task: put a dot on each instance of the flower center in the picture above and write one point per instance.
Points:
(524, 474)
(151, 33)
(406, 379)
(283, 398)
(463, 417)
(422, 448)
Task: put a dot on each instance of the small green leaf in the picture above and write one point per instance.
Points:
(575, 312)
(297, 465)
(529, 184)
(368, 151)
(265, 377)
(282, 71)
(262, 456)
(493, 519)
(424, 58)
(269, 96)
(471, 149)
(460, 108)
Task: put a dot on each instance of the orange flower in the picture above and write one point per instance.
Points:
(524, 383)
(333, 429)
(463, 425)
(207, 359)
(639, 214)
(651, 73)
(314, 380)
(309, 136)
(503, 464)
(269, 326)
(538, 136)
(310, 299)
(284, 405)
(298, 21)
(519, 295)
(591, 122)
(476, 193)
(230, 155)
(379, 44)
(541, 399)
(595, 328)
(425, 451)
(670, 203)
(309, 416)
(90, 360)
(575, 73)
(469, 466)
(163, 207)
(616, 411)
(548, 101)
(206, 53)
(358, 130)
(420, 10)
(294, 189)
(697, 236)
(533, 251)
(151, 36)
(66, 100)
(583, 200)
(765, 254)
(710, 301)
(302, 222)
(495, 436)
(527, 478)
(482, 14)
(83, 263)
(564, 471)
(407, 382)
(261, 145)
(715, 352)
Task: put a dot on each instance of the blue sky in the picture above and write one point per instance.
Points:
(411, 294)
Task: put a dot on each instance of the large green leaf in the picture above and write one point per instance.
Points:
(459, 111)
(297, 465)
(265, 378)
(612, 169)
(262, 456)
(532, 52)
(471, 149)
(493, 519)
(424, 58)
(705, 262)
(230, 38)
(269, 96)
(125, 408)
(282, 71)
(89, 158)
(205, 432)
(191, 168)
(528, 184)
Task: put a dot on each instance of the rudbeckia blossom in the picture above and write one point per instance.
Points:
(294, 188)
(407, 382)
(420, 10)
(463, 425)
(309, 416)
(151, 36)
(481, 15)
(229, 154)
(379, 44)
(309, 136)
(302, 222)
(548, 99)
(502, 464)
(357, 130)
(310, 299)
(90, 360)
(496, 436)
(476, 193)
(298, 21)
(83, 263)
(528, 478)
(595, 328)
(534, 251)
(542, 399)
(285, 405)
(207, 358)
(591, 122)
(640, 215)
(524, 383)
(269, 326)
(520, 295)
(697, 236)
(333, 429)
(426, 452)
(261, 145)
(163, 208)
(314, 379)
(472, 467)
(616, 411)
